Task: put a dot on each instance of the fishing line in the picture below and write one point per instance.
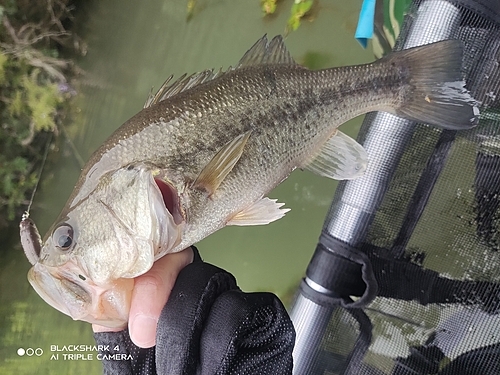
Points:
(76, 154)
(26, 213)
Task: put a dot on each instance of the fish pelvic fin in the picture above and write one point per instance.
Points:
(437, 93)
(221, 164)
(264, 211)
(340, 158)
(264, 52)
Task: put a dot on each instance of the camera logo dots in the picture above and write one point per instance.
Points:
(29, 352)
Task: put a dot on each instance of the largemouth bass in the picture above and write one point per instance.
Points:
(205, 152)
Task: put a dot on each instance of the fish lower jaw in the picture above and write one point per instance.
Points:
(82, 299)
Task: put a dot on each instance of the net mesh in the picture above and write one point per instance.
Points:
(434, 242)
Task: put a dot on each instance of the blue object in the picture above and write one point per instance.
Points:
(364, 31)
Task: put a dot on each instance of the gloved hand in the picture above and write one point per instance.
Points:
(209, 326)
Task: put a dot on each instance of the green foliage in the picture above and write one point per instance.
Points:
(30, 101)
(16, 105)
(28, 105)
(268, 6)
(42, 101)
(3, 61)
(191, 5)
(15, 183)
(299, 10)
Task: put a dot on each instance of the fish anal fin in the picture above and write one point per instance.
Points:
(264, 211)
(221, 164)
(340, 158)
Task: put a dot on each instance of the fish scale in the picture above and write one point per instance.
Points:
(205, 152)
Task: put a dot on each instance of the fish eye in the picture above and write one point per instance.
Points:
(63, 237)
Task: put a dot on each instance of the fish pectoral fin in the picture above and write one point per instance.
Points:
(221, 164)
(340, 158)
(264, 211)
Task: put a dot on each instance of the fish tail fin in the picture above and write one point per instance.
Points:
(436, 92)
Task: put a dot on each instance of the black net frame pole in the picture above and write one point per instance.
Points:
(353, 209)
(423, 191)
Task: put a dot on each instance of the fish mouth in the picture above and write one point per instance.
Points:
(68, 290)
(169, 216)
(171, 200)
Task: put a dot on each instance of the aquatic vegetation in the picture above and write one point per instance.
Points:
(268, 6)
(299, 9)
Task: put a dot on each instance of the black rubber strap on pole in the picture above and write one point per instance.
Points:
(344, 271)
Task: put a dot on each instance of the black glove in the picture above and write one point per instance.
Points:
(209, 326)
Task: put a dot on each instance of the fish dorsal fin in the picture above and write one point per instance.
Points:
(341, 158)
(263, 211)
(221, 164)
(264, 52)
(183, 83)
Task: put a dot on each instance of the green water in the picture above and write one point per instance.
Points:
(131, 47)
